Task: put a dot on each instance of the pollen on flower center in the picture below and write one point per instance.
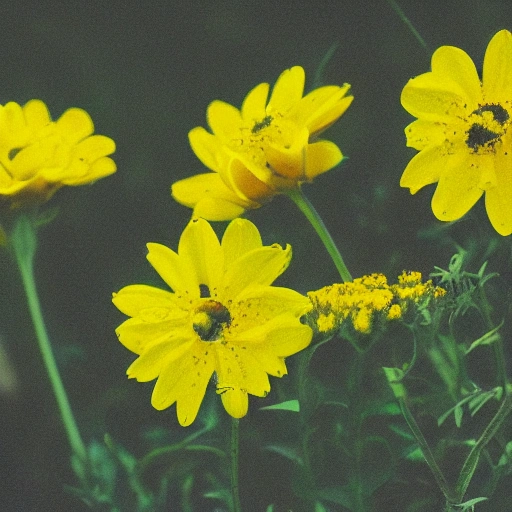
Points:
(488, 127)
(210, 319)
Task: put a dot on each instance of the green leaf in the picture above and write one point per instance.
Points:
(289, 405)
(487, 339)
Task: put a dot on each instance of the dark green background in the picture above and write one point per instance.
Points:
(145, 71)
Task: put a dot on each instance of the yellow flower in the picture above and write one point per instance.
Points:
(462, 132)
(366, 298)
(223, 317)
(264, 149)
(38, 156)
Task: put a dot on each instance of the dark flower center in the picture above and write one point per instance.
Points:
(210, 320)
(486, 133)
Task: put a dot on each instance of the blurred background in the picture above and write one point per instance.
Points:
(146, 71)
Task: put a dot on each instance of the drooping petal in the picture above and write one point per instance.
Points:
(254, 105)
(451, 63)
(208, 148)
(259, 266)
(435, 98)
(287, 91)
(224, 120)
(246, 184)
(240, 237)
(321, 156)
(497, 70)
(236, 402)
(457, 190)
(200, 248)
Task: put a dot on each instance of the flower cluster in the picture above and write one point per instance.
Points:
(463, 132)
(263, 149)
(366, 298)
(223, 317)
(38, 156)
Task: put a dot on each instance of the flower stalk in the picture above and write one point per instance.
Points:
(305, 206)
(24, 242)
(235, 448)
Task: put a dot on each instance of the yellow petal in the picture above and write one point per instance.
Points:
(75, 124)
(425, 168)
(321, 156)
(224, 120)
(218, 209)
(457, 190)
(175, 271)
(154, 358)
(236, 402)
(451, 63)
(240, 237)
(498, 199)
(434, 98)
(14, 132)
(287, 91)
(94, 147)
(250, 188)
(200, 248)
(98, 169)
(36, 114)
(254, 105)
(289, 162)
(259, 266)
(208, 148)
(497, 73)
(422, 134)
(134, 298)
(274, 300)
(287, 340)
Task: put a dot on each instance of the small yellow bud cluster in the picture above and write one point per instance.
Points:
(367, 297)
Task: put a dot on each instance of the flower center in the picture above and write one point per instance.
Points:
(210, 319)
(266, 121)
(489, 124)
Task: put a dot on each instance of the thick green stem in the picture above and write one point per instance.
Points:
(24, 242)
(234, 465)
(311, 214)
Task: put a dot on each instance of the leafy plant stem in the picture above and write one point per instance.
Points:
(450, 496)
(305, 206)
(24, 242)
(235, 424)
(471, 461)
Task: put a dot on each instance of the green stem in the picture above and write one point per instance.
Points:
(234, 464)
(427, 453)
(471, 461)
(311, 214)
(24, 242)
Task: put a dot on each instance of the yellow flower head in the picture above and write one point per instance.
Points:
(38, 156)
(462, 132)
(223, 317)
(366, 299)
(264, 149)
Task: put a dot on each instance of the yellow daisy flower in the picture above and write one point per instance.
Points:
(223, 317)
(38, 156)
(264, 149)
(462, 132)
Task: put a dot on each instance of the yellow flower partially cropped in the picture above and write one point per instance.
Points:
(462, 132)
(264, 149)
(38, 156)
(366, 299)
(223, 317)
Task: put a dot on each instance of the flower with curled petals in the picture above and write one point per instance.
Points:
(223, 317)
(38, 156)
(264, 149)
(463, 132)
